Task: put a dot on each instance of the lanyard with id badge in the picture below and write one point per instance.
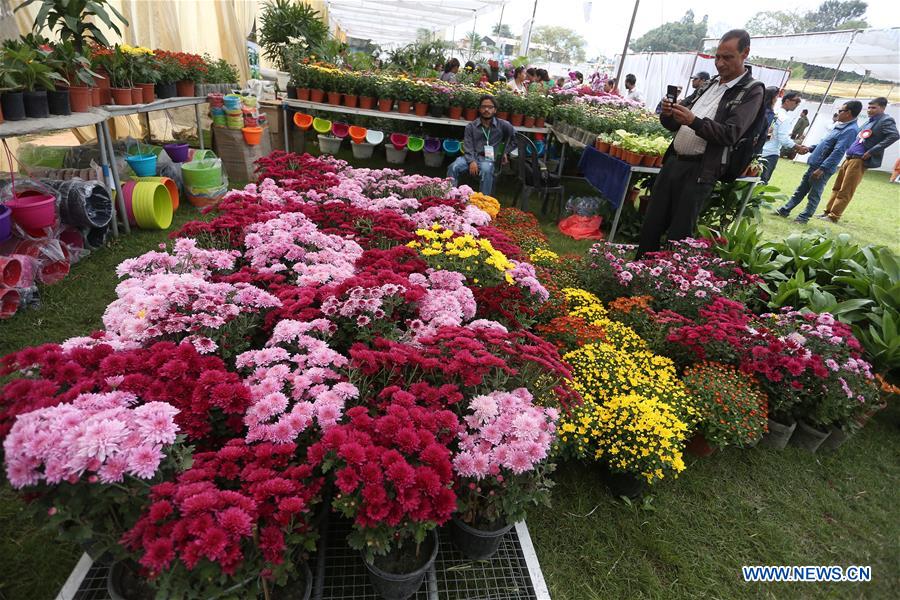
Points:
(488, 149)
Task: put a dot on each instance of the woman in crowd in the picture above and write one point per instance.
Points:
(518, 84)
(450, 70)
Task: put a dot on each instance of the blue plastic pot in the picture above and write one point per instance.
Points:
(143, 165)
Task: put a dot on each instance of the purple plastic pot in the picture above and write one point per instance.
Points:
(432, 145)
(5, 222)
(177, 152)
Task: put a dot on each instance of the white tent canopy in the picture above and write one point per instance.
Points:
(874, 50)
(397, 21)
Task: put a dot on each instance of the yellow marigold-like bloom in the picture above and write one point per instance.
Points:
(488, 204)
(543, 256)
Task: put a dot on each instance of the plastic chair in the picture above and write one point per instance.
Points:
(534, 177)
(303, 121)
(451, 147)
(399, 140)
(322, 125)
(415, 143)
(374, 137)
(432, 145)
(358, 134)
(339, 129)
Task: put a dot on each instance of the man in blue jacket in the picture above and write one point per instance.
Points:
(823, 162)
(879, 132)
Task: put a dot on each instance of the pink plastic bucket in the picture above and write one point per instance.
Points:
(9, 302)
(127, 189)
(33, 210)
(10, 271)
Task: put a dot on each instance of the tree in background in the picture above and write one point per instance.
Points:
(675, 36)
(831, 15)
(561, 44)
(502, 30)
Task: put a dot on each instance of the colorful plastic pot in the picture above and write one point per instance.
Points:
(152, 205)
(170, 185)
(329, 144)
(72, 237)
(303, 121)
(322, 125)
(415, 143)
(232, 101)
(451, 146)
(143, 165)
(127, 195)
(202, 154)
(5, 222)
(10, 271)
(252, 135)
(177, 152)
(9, 302)
(374, 137)
(33, 210)
(399, 140)
(432, 145)
(339, 129)
(204, 173)
(357, 134)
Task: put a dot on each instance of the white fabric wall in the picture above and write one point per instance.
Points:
(656, 70)
(821, 127)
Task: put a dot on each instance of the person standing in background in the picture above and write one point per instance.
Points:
(879, 132)
(450, 70)
(633, 94)
(825, 157)
(800, 126)
(779, 134)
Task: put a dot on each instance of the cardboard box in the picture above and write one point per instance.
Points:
(238, 158)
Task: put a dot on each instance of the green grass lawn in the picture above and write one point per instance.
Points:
(873, 217)
(688, 540)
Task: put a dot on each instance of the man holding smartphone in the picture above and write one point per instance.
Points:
(707, 129)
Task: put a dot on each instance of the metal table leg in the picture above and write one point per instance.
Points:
(615, 225)
(120, 197)
(286, 127)
(107, 175)
(199, 127)
(147, 119)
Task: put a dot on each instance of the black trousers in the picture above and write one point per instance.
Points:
(675, 204)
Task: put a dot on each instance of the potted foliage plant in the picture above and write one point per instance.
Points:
(517, 105)
(300, 80)
(367, 88)
(384, 89)
(501, 468)
(393, 478)
(733, 409)
(76, 68)
(32, 76)
(347, 85)
(316, 83)
(440, 100)
(421, 96)
(119, 77)
(504, 105)
(146, 73)
(404, 94)
(457, 99)
(470, 108)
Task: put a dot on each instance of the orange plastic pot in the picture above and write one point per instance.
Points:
(421, 109)
(539, 121)
(358, 134)
(516, 119)
(303, 94)
(469, 114)
(648, 160)
(404, 106)
(252, 135)
(98, 95)
(334, 98)
(149, 92)
(137, 95)
(385, 104)
(121, 96)
(602, 146)
(351, 100)
(502, 114)
(185, 89)
(79, 98)
(528, 122)
(455, 112)
(366, 102)
(316, 95)
(303, 121)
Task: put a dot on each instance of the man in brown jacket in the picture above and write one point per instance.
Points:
(707, 128)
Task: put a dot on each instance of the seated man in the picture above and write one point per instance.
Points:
(482, 140)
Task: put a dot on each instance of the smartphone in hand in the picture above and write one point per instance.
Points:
(672, 93)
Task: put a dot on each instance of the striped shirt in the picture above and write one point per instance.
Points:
(688, 143)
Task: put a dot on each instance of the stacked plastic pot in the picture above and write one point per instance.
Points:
(204, 180)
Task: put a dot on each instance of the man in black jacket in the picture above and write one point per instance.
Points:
(879, 132)
(707, 129)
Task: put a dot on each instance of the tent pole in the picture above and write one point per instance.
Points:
(627, 41)
(530, 27)
(833, 77)
(862, 81)
(687, 87)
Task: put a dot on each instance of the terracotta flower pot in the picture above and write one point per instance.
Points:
(421, 109)
(185, 89)
(698, 446)
(303, 94)
(97, 96)
(455, 112)
(366, 102)
(539, 122)
(528, 122)
(602, 146)
(648, 160)
(470, 114)
(149, 90)
(316, 95)
(351, 100)
(121, 96)
(658, 161)
(334, 98)
(385, 104)
(80, 98)
(404, 106)
(516, 119)
(503, 115)
(137, 95)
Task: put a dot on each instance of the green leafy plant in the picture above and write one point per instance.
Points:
(74, 66)
(71, 19)
(28, 69)
(285, 24)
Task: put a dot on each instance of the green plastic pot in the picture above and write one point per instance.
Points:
(204, 173)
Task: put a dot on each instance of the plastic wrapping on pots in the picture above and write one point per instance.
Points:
(83, 203)
(33, 206)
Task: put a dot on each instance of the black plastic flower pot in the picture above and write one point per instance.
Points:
(13, 105)
(620, 484)
(166, 90)
(400, 586)
(36, 106)
(476, 544)
(123, 583)
(58, 102)
(436, 111)
(291, 92)
(808, 437)
(778, 434)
